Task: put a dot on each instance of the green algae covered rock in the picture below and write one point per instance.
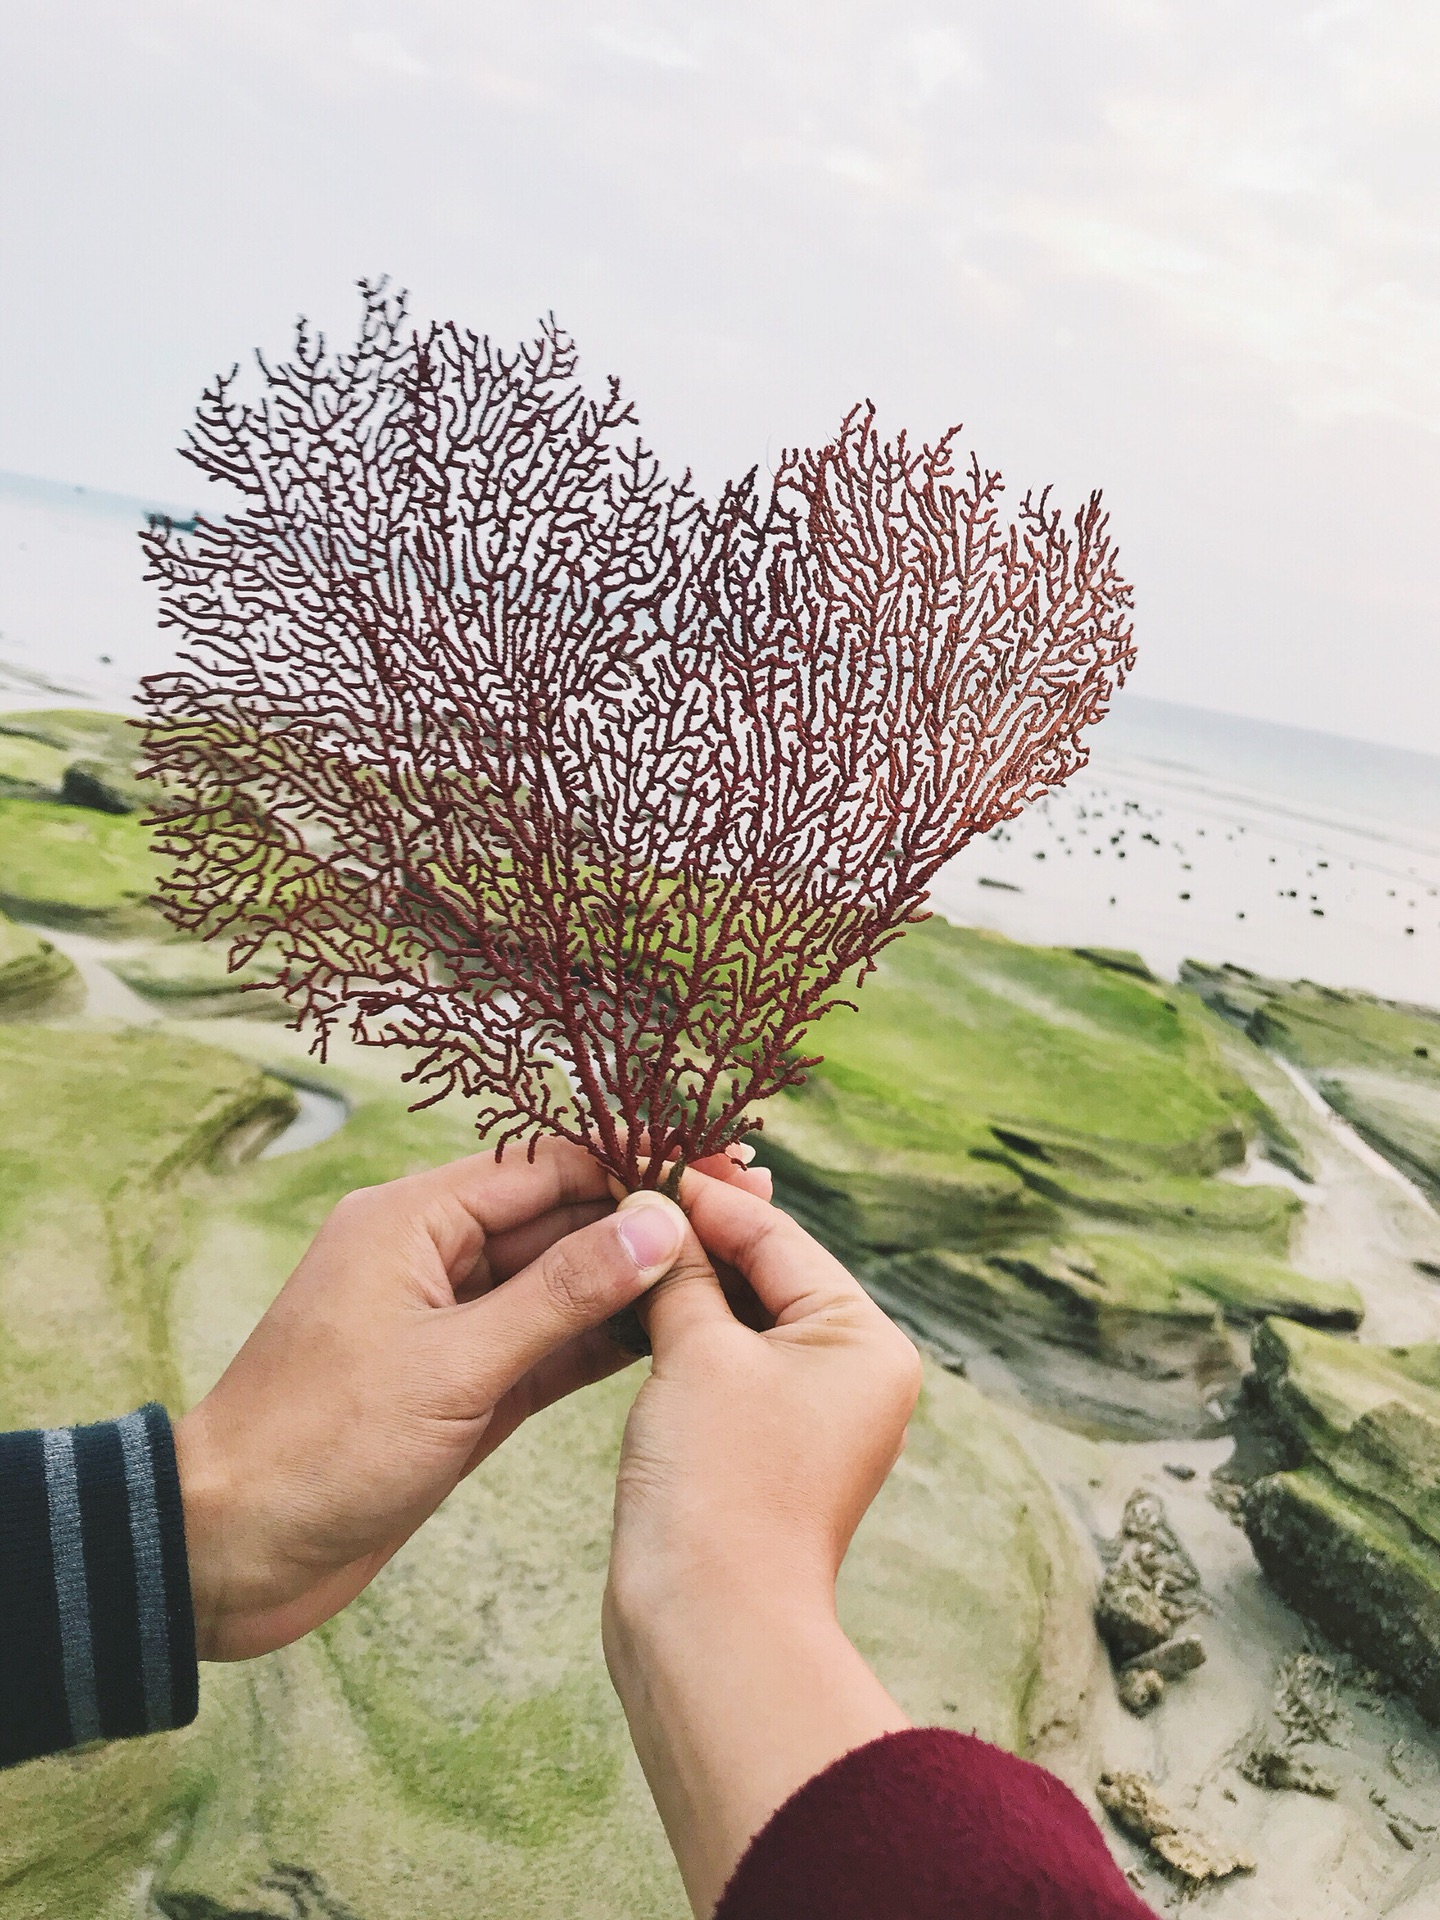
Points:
(449, 1744)
(1349, 1528)
(1095, 1089)
(34, 978)
(98, 1132)
(72, 754)
(887, 1200)
(1019, 1145)
(1377, 1062)
(1249, 1288)
(194, 980)
(73, 867)
(1115, 1302)
(30, 769)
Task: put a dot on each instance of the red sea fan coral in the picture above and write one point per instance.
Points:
(506, 748)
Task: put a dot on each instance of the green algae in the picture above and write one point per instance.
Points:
(195, 979)
(98, 1132)
(87, 759)
(34, 978)
(1249, 1289)
(30, 769)
(69, 866)
(958, 1026)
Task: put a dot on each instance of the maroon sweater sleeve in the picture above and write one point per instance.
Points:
(930, 1825)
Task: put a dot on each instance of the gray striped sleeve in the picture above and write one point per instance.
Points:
(71, 1588)
(149, 1571)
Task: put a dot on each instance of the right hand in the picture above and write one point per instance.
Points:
(753, 1454)
(750, 1456)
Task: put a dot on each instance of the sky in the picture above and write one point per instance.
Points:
(1184, 250)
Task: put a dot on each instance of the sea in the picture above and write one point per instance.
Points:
(1191, 833)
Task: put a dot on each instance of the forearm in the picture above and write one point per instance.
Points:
(734, 1702)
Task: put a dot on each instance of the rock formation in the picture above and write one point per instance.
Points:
(1341, 1453)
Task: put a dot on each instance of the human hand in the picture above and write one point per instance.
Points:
(750, 1456)
(429, 1317)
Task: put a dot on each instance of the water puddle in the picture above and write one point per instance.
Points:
(321, 1114)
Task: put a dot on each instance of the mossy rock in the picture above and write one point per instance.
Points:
(890, 1202)
(1354, 1568)
(99, 1135)
(71, 867)
(1263, 1216)
(1249, 1289)
(1117, 960)
(34, 978)
(1369, 1415)
(194, 980)
(958, 1030)
(1377, 1062)
(105, 787)
(1349, 1528)
(974, 1066)
(1112, 1300)
(86, 759)
(30, 769)
(1017, 1145)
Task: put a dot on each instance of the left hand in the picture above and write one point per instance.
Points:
(429, 1317)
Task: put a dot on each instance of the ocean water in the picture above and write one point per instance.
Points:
(77, 621)
(1192, 832)
(1318, 776)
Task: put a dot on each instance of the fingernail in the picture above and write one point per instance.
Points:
(737, 1150)
(651, 1228)
(763, 1174)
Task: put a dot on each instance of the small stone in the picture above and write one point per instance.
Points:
(1130, 1617)
(1172, 1658)
(107, 789)
(1178, 1471)
(1136, 1808)
(1141, 1690)
(1285, 1772)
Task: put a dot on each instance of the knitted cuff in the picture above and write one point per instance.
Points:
(97, 1640)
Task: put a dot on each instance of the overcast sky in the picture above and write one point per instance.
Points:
(1187, 250)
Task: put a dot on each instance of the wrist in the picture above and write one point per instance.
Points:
(697, 1575)
(211, 1530)
(735, 1697)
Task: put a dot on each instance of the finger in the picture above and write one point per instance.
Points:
(792, 1275)
(579, 1363)
(689, 1298)
(499, 1195)
(574, 1285)
(507, 1252)
(726, 1164)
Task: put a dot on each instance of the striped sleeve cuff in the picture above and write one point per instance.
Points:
(97, 1640)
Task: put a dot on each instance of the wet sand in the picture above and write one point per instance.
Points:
(1176, 865)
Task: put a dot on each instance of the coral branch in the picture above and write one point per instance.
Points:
(515, 752)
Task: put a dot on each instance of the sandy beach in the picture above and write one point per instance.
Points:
(1154, 851)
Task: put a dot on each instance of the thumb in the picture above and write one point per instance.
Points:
(688, 1298)
(576, 1284)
